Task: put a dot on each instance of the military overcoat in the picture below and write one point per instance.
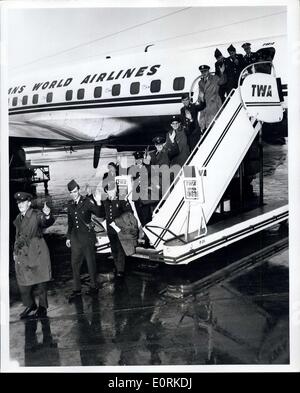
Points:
(31, 253)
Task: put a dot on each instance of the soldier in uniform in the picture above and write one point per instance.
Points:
(159, 160)
(81, 237)
(31, 255)
(234, 66)
(189, 119)
(249, 57)
(110, 175)
(112, 208)
(160, 155)
(176, 143)
(209, 91)
(141, 194)
(218, 65)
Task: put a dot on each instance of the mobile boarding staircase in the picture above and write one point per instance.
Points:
(180, 231)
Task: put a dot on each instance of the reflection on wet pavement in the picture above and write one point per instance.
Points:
(241, 319)
(204, 313)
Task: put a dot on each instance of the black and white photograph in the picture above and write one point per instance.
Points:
(149, 186)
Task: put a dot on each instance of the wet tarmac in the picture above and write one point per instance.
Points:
(160, 315)
(232, 307)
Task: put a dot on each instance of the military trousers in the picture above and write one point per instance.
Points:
(117, 252)
(83, 247)
(28, 294)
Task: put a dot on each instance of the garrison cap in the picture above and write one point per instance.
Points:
(23, 196)
(138, 155)
(72, 184)
(218, 53)
(158, 140)
(246, 44)
(231, 48)
(204, 67)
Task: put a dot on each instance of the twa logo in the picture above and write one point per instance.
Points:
(261, 90)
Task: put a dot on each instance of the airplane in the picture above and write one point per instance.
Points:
(117, 102)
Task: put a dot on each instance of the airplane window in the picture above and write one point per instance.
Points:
(69, 95)
(15, 101)
(80, 94)
(49, 97)
(25, 100)
(155, 86)
(35, 98)
(135, 88)
(116, 90)
(98, 92)
(178, 83)
(8, 101)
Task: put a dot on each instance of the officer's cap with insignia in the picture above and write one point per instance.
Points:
(176, 118)
(246, 45)
(204, 67)
(158, 140)
(22, 196)
(231, 48)
(72, 184)
(138, 155)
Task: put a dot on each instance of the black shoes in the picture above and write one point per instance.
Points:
(41, 312)
(28, 312)
(73, 295)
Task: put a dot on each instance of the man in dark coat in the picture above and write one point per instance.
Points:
(176, 143)
(110, 175)
(249, 57)
(160, 155)
(81, 236)
(159, 164)
(31, 254)
(234, 66)
(112, 208)
(141, 191)
(219, 64)
(189, 119)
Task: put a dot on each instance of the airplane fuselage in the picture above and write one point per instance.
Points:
(112, 98)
